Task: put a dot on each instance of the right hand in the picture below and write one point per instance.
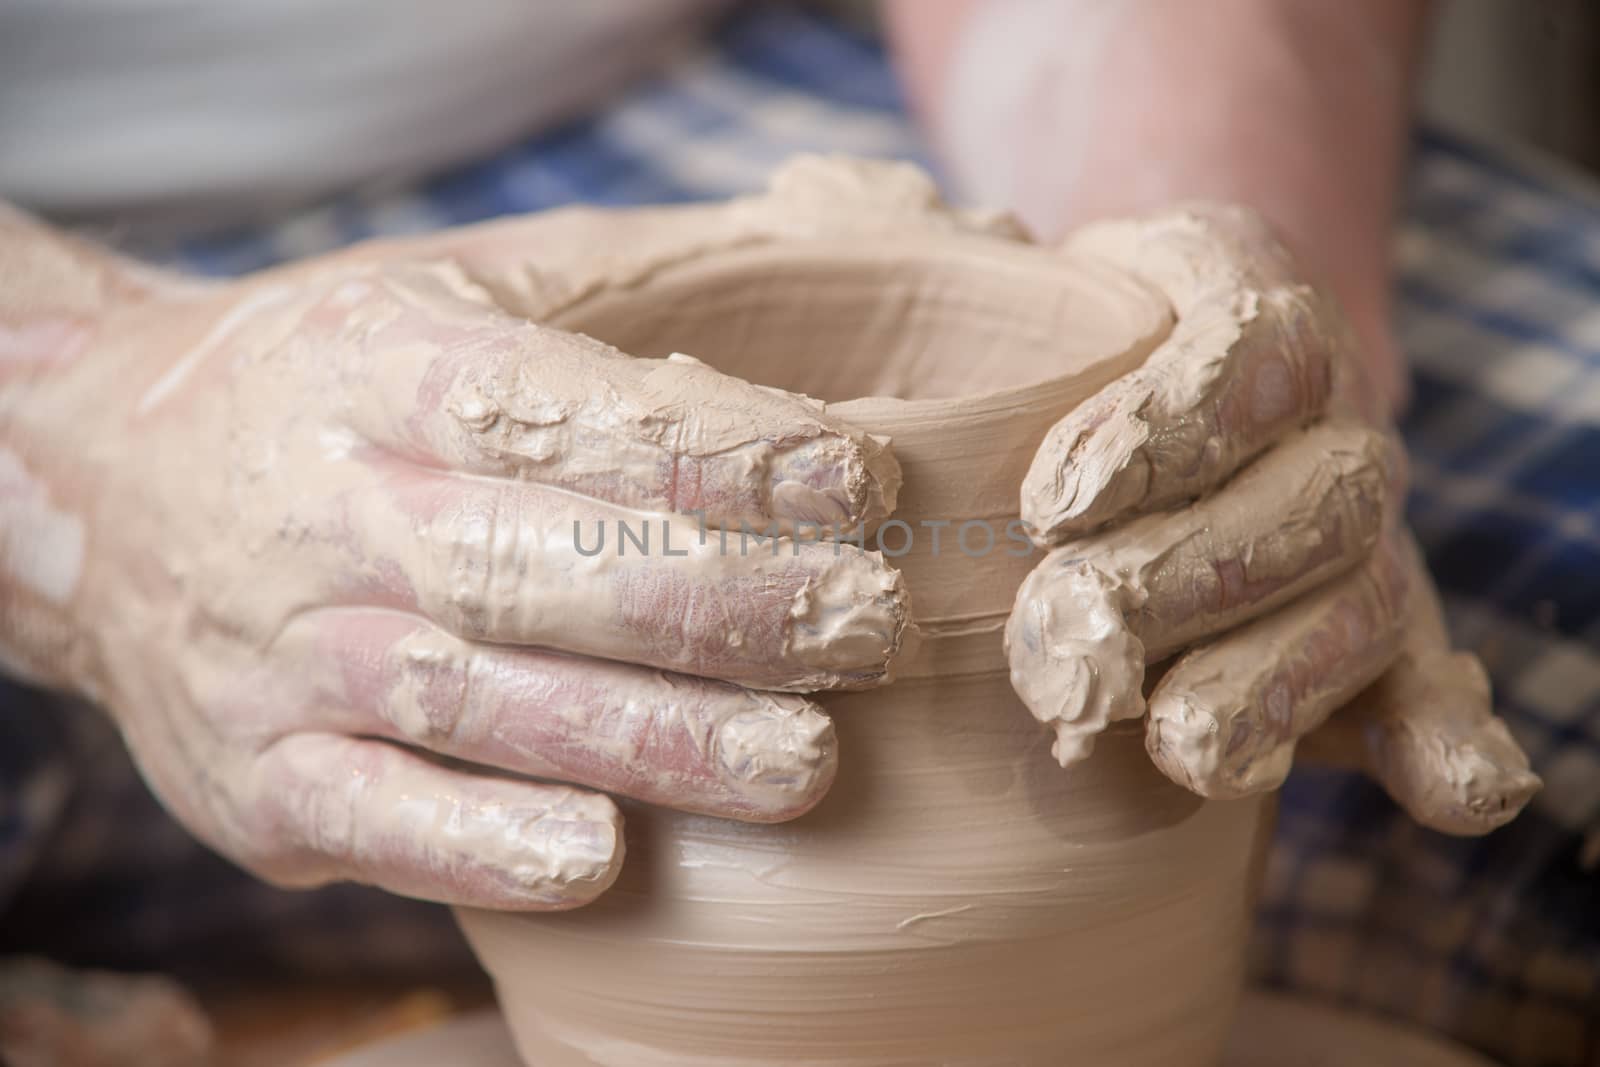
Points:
(1227, 558)
(325, 573)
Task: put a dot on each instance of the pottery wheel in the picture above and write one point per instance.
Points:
(1272, 1030)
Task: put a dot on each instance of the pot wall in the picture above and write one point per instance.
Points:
(957, 898)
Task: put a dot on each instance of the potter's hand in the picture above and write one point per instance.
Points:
(325, 543)
(1232, 506)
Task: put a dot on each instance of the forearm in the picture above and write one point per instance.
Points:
(55, 294)
(1069, 110)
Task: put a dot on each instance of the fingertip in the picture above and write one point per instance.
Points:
(847, 623)
(1184, 741)
(1083, 475)
(883, 476)
(333, 807)
(1493, 806)
(833, 480)
(1074, 661)
(777, 760)
(561, 859)
(1438, 750)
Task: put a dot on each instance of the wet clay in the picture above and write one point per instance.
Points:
(1087, 623)
(956, 898)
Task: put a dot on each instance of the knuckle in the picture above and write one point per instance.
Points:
(477, 556)
(429, 696)
(300, 825)
(460, 546)
(274, 844)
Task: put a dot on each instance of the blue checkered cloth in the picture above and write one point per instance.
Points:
(1494, 940)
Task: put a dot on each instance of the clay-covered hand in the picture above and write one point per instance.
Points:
(374, 574)
(1227, 519)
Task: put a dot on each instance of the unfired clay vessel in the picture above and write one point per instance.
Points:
(958, 898)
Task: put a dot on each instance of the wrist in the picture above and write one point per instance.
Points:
(56, 295)
(43, 542)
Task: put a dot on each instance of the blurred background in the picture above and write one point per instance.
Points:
(1525, 70)
(1515, 71)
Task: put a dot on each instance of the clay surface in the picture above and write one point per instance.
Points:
(1271, 1030)
(956, 898)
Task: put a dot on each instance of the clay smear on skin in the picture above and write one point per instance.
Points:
(41, 545)
(506, 566)
(1226, 718)
(36, 343)
(307, 474)
(56, 290)
(486, 410)
(42, 552)
(567, 719)
(516, 398)
(1099, 609)
(370, 812)
(1247, 361)
(1429, 733)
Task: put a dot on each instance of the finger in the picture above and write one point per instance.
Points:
(1427, 733)
(1249, 360)
(1225, 719)
(1090, 617)
(501, 561)
(339, 808)
(438, 375)
(680, 742)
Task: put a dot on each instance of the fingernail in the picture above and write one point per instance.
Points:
(848, 620)
(779, 752)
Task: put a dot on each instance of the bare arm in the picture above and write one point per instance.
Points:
(1072, 110)
(54, 294)
(1069, 111)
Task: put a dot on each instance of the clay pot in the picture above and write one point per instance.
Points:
(957, 898)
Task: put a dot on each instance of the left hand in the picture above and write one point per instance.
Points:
(1230, 512)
